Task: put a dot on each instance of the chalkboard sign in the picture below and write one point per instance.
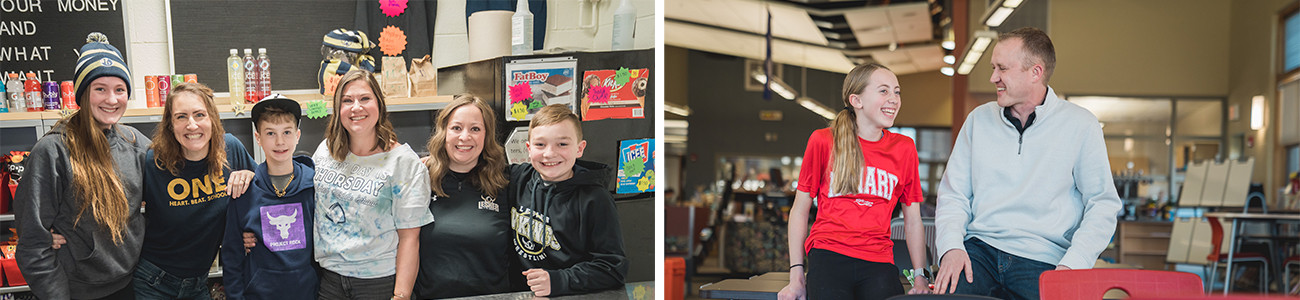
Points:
(43, 37)
(291, 32)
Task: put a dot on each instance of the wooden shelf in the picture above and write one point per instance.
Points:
(1143, 244)
(154, 114)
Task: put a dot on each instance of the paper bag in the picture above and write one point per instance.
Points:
(394, 79)
(424, 77)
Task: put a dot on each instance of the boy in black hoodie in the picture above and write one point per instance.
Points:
(278, 209)
(566, 227)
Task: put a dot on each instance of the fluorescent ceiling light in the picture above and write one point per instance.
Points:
(683, 124)
(946, 71)
(1000, 15)
(816, 107)
(1011, 3)
(949, 45)
(949, 59)
(779, 87)
(680, 110)
(982, 40)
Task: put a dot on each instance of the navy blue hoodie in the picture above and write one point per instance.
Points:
(185, 213)
(568, 228)
(282, 264)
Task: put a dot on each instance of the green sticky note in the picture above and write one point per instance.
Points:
(634, 166)
(316, 109)
(622, 76)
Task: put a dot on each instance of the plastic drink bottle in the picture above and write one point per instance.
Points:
(32, 89)
(624, 25)
(235, 72)
(263, 74)
(17, 100)
(4, 103)
(250, 77)
(521, 30)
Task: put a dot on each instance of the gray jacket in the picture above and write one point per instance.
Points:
(90, 265)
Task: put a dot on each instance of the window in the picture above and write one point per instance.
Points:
(933, 145)
(1150, 140)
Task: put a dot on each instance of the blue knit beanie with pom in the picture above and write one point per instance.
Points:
(98, 59)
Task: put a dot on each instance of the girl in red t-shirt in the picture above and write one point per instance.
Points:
(850, 255)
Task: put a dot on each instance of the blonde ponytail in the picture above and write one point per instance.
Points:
(846, 154)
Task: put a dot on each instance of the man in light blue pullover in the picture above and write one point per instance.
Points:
(1028, 185)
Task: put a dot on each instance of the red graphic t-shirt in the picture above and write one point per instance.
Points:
(857, 224)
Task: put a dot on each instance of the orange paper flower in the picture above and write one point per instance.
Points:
(392, 41)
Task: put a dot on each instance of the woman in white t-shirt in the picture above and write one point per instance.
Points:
(372, 197)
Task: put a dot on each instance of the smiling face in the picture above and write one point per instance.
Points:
(358, 109)
(191, 125)
(553, 149)
(106, 99)
(278, 139)
(877, 105)
(1012, 75)
(465, 135)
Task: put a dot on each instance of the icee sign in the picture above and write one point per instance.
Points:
(636, 166)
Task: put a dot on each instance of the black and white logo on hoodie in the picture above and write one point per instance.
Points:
(533, 233)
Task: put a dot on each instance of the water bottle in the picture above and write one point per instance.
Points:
(17, 101)
(235, 78)
(4, 103)
(624, 26)
(250, 76)
(263, 74)
(521, 30)
(32, 89)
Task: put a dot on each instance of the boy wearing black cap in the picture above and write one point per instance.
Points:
(278, 209)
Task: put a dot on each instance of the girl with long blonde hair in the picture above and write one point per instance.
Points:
(82, 183)
(858, 172)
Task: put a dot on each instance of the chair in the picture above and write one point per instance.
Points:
(1290, 262)
(1216, 256)
(902, 258)
(1091, 284)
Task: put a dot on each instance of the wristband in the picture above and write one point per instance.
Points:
(921, 272)
(795, 265)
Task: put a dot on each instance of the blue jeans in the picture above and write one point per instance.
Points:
(334, 286)
(1000, 274)
(151, 282)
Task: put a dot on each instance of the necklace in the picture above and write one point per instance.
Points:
(279, 192)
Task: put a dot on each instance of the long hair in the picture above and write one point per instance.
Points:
(94, 175)
(489, 174)
(168, 154)
(337, 138)
(846, 154)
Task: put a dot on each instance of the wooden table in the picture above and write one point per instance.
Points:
(743, 289)
(1237, 218)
